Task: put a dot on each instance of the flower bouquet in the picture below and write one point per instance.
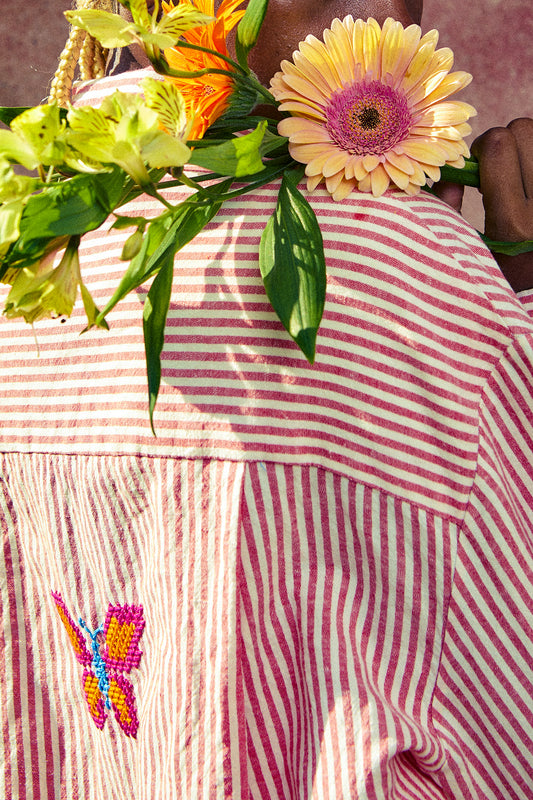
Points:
(365, 109)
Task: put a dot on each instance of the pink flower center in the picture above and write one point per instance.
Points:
(367, 118)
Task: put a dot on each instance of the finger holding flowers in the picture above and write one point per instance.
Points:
(505, 157)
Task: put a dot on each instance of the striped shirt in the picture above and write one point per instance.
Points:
(334, 562)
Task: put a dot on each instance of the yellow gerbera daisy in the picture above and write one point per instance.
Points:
(207, 97)
(369, 107)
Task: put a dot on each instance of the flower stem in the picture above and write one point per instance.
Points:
(467, 176)
(151, 190)
(191, 184)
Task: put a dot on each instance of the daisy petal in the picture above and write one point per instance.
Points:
(369, 34)
(313, 181)
(427, 152)
(418, 178)
(305, 153)
(448, 85)
(335, 162)
(370, 162)
(398, 46)
(401, 162)
(344, 188)
(302, 109)
(459, 163)
(305, 88)
(334, 181)
(401, 179)
(315, 166)
(298, 129)
(417, 70)
(441, 115)
(431, 171)
(366, 184)
(380, 181)
(412, 189)
(354, 168)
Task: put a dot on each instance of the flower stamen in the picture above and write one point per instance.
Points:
(367, 118)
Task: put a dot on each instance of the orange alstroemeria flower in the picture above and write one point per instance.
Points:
(207, 97)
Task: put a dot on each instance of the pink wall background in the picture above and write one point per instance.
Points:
(32, 34)
(492, 39)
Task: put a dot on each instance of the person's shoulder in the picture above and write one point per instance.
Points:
(422, 242)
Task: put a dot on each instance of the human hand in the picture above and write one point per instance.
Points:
(505, 158)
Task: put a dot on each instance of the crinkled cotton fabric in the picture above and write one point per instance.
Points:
(316, 580)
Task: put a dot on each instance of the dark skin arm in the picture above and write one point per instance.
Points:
(506, 175)
(505, 158)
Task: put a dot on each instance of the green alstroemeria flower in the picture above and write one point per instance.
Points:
(15, 191)
(166, 100)
(37, 136)
(124, 131)
(112, 30)
(42, 290)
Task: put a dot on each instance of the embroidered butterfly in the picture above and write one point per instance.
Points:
(113, 650)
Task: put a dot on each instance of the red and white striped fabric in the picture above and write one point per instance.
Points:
(334, 561)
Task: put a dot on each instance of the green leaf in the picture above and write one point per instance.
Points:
(248, 30)
(8, 113)
(154, 319)
(168, 233)
(70, 208)
(508, 248)
(293, 267)
(157, 240)
(237, 157)
(274, 144)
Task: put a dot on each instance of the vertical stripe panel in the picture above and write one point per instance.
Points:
(483, 696)
(290, 650)
(128, 533)
(358, 718)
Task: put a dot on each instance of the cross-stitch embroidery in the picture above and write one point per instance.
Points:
(113, 650)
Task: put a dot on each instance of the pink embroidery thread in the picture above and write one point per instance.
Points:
(113, 650)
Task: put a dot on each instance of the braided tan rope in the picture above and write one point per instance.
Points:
(81, 51)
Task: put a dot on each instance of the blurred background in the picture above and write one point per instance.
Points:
(492, 39)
